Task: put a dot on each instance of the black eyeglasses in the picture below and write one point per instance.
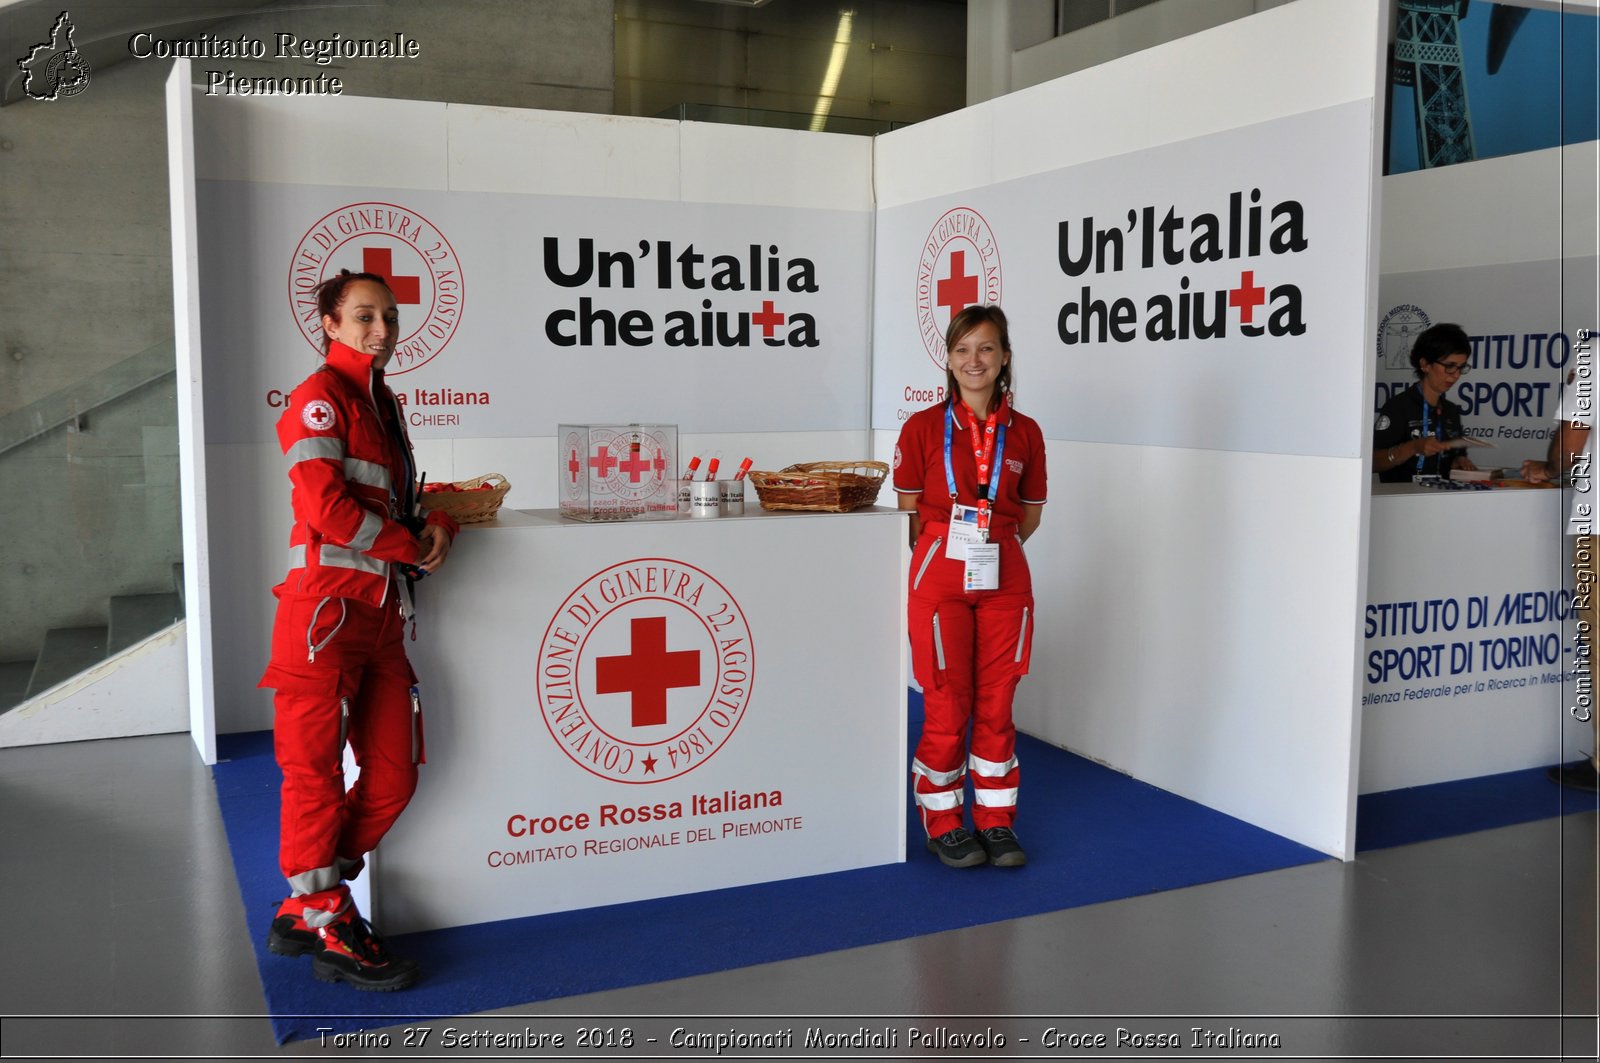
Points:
(1455, 368)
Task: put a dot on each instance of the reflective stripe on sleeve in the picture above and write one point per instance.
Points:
(944, 800)
(995, 798)
(990, 769)
(339, 557)
(313, 448)
(369, 473)
(367, 534)
(938, 778)
(297, 556)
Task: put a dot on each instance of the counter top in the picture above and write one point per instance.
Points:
(547, 518)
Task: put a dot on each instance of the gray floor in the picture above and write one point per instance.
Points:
(126, 937)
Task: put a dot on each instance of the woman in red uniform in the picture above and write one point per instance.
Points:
(338, 665)
(973, 470)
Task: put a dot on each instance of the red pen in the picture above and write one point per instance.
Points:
(694, 463)
(711, 470)
(744, 467)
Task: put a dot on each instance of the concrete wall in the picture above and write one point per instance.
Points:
(85, 259)
(902, 60)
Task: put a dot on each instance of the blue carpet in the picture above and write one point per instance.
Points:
(1092, 834)
(1443, 810)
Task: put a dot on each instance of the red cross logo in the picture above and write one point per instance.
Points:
(659, 465)
(960, 289)
(648, 671)
(574, 466)
(602, 462)
(1247, 296)
(768, 318)
(380, 260)
(635, 466)
(317, 415)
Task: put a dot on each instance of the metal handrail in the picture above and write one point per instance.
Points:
(71, 403)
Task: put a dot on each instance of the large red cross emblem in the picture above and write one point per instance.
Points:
(648, 670)
(960, 289)
(380, 260)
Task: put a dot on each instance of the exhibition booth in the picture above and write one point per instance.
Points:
(1189, 259)
(1469, 624)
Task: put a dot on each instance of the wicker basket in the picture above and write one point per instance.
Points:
(823, 486)
(467, 504)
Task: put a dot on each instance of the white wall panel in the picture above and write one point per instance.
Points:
(775, 167)
(502, 149)
(181, 164)
(325, 140)
(1197, 613)
(249, 506)
(1516, 208)
(936, 157)
(1252, 70)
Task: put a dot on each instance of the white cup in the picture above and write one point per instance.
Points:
(705, 498)
(683, 497)
(732, 498)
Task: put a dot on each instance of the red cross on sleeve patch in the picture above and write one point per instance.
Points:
(318, 415)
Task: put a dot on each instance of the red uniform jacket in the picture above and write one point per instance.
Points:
(353, 474)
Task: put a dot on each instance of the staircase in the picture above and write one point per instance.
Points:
(68, 651)
(92, 472)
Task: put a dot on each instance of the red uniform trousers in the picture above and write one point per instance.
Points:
(356, 687)
(968, 650)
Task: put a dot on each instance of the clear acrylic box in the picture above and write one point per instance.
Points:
(617, 471)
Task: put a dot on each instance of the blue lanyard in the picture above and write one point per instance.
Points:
(999, 453)
(1438, 429)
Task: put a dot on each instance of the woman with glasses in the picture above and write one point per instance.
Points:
(1418, 431)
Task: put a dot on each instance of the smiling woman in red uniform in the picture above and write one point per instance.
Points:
(973, 470)
(338, 665)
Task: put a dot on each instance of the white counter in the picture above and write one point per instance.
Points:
(1464, 642)
(622, 711)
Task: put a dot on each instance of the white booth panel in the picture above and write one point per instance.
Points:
(285, 140)
(1529, 207)
(1196, 610)
(1244, 72)
(934, 158)
(560, 153)
(775, 167)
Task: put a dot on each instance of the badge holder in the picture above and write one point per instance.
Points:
(964, 531)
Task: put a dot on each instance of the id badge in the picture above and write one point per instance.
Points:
(964, 531)
(983, 567)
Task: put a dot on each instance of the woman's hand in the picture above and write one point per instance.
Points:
(435, 545)
(909, 501)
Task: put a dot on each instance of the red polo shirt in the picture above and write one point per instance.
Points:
(919, 466)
